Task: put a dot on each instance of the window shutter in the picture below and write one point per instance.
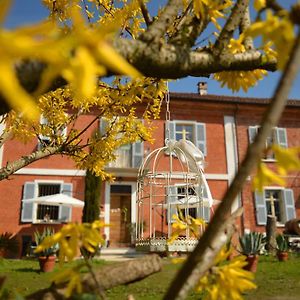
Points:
(27, 211)
(172, 199)
(252, 130)
(65, 213)
(27, 208)
(206, 213)
(281, 137)
(29, 190)
(103, 126)
(201, 137)
(67, 189)
(137, 154)
(261, 210)
(205, 209)
(172, 129)
(289, 204)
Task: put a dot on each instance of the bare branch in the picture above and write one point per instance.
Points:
(245, 23)
(13, 167)
(145, 13)
(159, 27)
(108, 276)
(208, 244)
(231, 25)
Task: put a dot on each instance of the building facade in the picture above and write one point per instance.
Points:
(222, 127)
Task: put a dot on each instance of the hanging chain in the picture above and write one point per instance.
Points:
(168, 114)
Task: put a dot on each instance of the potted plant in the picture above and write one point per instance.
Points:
(48, 256)
(282, 248)
(250, 246)
(8, 244)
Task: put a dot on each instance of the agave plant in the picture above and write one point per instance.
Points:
(40, 236)
(251, 243)
(282, 244)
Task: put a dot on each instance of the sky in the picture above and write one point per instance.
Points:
(31, 11)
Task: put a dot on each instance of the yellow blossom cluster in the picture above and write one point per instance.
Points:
(80, 56)
(287, 160)
(72, 237)
(210, 9)
(235, 80)
(226, 280)
(277, 28)
(182, 223)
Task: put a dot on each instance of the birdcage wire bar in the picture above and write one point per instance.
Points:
(168, 180)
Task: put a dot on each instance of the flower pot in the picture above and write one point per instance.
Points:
(47, 263)
(282, 256)
(252, 261)
(2, 252)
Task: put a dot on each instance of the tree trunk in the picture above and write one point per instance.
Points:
(108, 277)
(271, 234)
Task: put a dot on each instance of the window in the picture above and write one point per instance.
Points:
(276, 202)
(188, 130)
(278, 137)
(178, 196)
(45, 139)
(39, 210)
(127, 156)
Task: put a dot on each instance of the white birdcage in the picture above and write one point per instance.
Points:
(170, 179)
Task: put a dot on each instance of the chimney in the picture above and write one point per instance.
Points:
(202, 88)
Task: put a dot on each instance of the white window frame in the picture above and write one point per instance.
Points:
(282, 213)
(43, 138)
(194, 139)
(285, 207)
(135, 154)
(274, 140)
(35, 204)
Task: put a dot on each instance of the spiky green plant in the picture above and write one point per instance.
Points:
(251, 243)
(282, 244)
(40, 236)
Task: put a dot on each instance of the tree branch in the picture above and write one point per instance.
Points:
(13, 167)
(231, 25)
(159, 27)
(208, 244)
(245, 23)
(145, 13)
(108, 276)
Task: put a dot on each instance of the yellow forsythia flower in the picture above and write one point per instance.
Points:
(265, 177)
(235, 80)
(259, 4)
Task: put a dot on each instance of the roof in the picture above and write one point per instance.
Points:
(229, 99)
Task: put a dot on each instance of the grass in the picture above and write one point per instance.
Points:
(275, 280)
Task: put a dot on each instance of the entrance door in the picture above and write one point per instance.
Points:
(120, 220)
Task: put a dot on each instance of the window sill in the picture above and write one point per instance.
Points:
(268, 160)
(48, 222)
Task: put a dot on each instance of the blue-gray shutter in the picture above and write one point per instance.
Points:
(172, 129)
(29, 190)
(201, 137)
(261, 209)
(103, 126)
(289, 204)
(252, 130)
(27, 208)
(67, 189)
(205, 210)
(281, 137)
(172, 198)
(137, 154)
(65, 213)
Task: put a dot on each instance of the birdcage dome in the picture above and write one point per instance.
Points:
(170, 181)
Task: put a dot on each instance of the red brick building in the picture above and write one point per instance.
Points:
(222, 127)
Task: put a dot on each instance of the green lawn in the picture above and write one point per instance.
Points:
(275, 280)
